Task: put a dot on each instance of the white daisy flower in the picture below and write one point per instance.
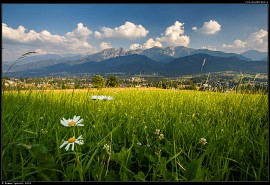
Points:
(102, 97)
(108, 98)
(76, 121)
(71, 141)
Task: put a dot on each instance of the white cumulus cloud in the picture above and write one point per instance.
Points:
(194, 28)
(255, 41)
(148, 44)
(174, 35)
(135, 46)
(209, 48)
(151, 43)
(236, 44)
(259, 40)
(210, 27)
(40, 51)
(129, 30)
(80, 32)
(105, 45)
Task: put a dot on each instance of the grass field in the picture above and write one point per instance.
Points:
(140, 135)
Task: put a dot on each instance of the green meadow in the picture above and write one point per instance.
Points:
(141, 135)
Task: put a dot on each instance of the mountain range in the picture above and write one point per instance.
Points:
(168, 61)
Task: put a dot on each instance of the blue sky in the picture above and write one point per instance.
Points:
(89, 28)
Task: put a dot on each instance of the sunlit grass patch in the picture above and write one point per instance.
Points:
(142, 135)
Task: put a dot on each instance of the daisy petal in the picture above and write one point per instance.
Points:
(72, 146)
(76, 118)
(80, 137)
(64, 123)
(64, 143)
(79, 121)
(80, 142)
(67, 147)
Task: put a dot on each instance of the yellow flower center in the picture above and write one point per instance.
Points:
(71, 123)
(71, 140)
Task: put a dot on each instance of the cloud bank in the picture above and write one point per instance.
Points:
(75, 41)
(257, 40)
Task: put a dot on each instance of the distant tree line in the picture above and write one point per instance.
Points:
(98, 81)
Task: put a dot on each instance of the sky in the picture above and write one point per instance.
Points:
(90, 28)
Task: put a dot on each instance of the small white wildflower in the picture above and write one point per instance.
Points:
(72, 141)
(139, 144)
(107, 147)
(157, 131)
(202, 141)
(76, 121)
(161, 136)
(42, 131)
